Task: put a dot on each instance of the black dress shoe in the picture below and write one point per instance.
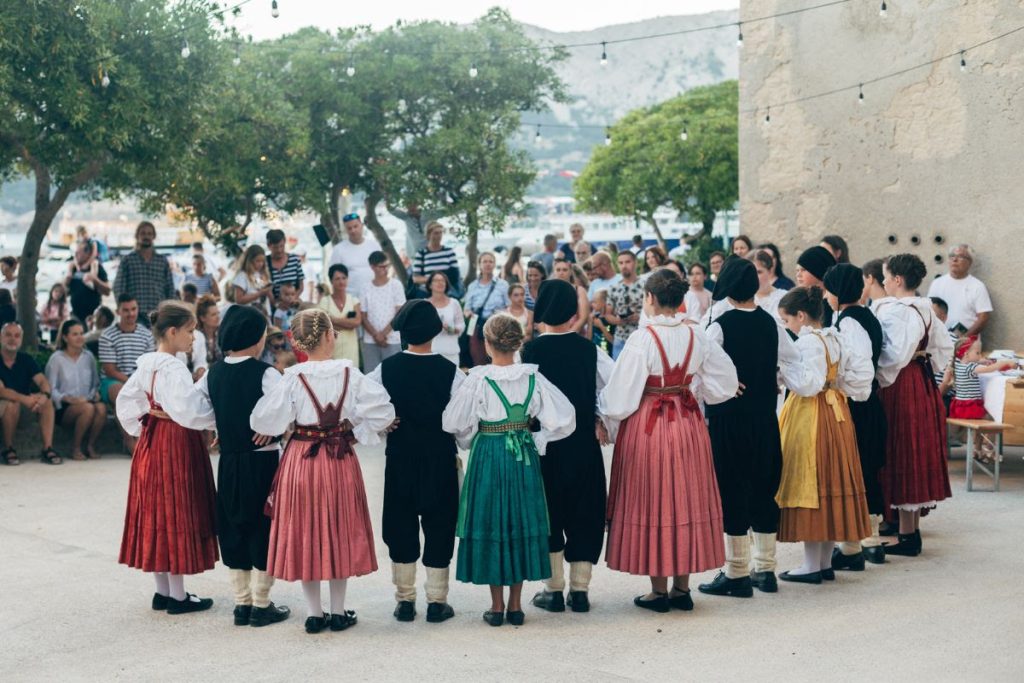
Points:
(723, 585)
(658, 604)
(494, 617)
(764, 582)
(909, 545)
(243, 613)
(515, 618)
(188, 604)
(681, 601)
(405, 610)
(439, 611)
(828, 574)
(874, 554)
(579, 601)
(552, 601)
(813, 577)
(159, 602)
(317, 624)
(852, 563)
(340, 622)
(271, 614)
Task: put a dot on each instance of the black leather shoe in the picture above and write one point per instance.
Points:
(578, 601)
(874, 554)
(317, 624)
(828, 574)
(405, 610)
(723, 585)
(813, 577)
(909, 545)
(852, 563)
(439, 611)
(243, 613)
(160, 602)
(494, 618)
(271, 614)
(340, 622)
(681, 601)
(764, 582)
(552, 601)
(188, 605)
(515, 618)
(658, 604)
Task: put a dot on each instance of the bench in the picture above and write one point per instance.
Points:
(975, 427)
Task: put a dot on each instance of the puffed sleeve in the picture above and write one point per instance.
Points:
(554, 411)
(276, 409)
(132, 404)
(718, 380)
(461, 417)
(797, 376)
(373, 412)
(199, 351)
(856, 372)
(179, 398)
(901, 333)
(605, 367)
(812, 351)
(621, 396)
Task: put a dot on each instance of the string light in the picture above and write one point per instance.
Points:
(768, 116)
(238, 55)
(105, 80)
(536, 138)
(473, 72)
(883, 11)
(274, 12)
(860, 94)
(604, 53)
(739, 35)
(963, 61)
(185, 51)
(685, 135)
(607, 136)
(351, 70)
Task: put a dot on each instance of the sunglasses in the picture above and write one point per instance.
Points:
(349, 217)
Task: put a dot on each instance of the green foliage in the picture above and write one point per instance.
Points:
(701, 249)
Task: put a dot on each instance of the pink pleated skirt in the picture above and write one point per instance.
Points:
(664, 510)
(321, 524)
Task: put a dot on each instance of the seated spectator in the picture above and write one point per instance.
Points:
(23, 386)
(9, 272)
(203, 282)
(54, 312)
(75, 383)
(277, 343)
(120, 347)
(97, 322)
(8, 313)
(966, 295)
(286, 305)
(189, 294)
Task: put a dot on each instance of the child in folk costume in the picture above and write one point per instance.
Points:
(573, 467)
(248, 462)
(821, 494)
(503, 517)
(321, 525)
(916, 345)
(664, 512)
(744, 431)
(169, 522)
(861, 332)
(421, 474)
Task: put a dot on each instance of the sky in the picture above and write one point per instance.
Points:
(555, 15)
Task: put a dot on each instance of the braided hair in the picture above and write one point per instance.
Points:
(309, 327)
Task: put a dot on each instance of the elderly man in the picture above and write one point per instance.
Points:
(603, 274)
(354, 254)
(966, 295)
(144, 274)
(23, 385)
(569, 248)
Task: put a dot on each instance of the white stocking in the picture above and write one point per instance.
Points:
(826, 555)
(162, 586)
(177, 586)
(338, 587)
(812, 559)
(311, 590)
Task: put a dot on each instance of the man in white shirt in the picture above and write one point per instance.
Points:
(966, 295)
(354, 254)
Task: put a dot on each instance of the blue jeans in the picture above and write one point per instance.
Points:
(617, 347)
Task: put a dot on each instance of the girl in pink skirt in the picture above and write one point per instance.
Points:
(321, 525)
(664, 511)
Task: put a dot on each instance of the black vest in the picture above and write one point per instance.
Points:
(870, 324)
(569, 361)
(235, 388)
(751, 340)
(420, 388)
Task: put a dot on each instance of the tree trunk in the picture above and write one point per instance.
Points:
(472, 250)
(372, 200)
(657, 232)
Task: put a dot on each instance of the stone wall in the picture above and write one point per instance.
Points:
(933, 154)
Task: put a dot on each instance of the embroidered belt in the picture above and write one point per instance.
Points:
(663, 403)
(518, 439)
(504, 427)
(332, 436)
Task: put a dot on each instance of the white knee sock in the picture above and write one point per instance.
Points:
(812, 559)
(579, 576)
(825, 555)
(311, 591)
(764, 552)
(261, 585)
(737, 556)
(556, 584)
(849, 547)
(403, 575)
(176, 584)
(241, 584)
(162, 587)
(338, 587)
(437, 585)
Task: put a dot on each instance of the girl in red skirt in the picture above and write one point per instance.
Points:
(321, 525)
(664, 510)
(915, 475)
(168, 526)
(967, 403)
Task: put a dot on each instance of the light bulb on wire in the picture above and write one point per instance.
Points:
(607, 136)
(860, 94)
(473, 71)
(238, 56)
(185, 51)
(536, 137)
(350, 71)
(768, 116)
(883, 11)
(274, 11)
(739, 35)
(604, 53)
(685, 135)
(963, 61)
(105, 80)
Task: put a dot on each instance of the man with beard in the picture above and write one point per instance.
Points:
(145, 274)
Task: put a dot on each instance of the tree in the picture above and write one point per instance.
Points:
(94, 95)
(649, 164)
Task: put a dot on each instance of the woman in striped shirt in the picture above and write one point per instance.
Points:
(434, 257)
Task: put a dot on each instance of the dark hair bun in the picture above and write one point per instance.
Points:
(909, 267)
(153, 317)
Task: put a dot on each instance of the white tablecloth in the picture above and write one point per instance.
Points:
(993, 388)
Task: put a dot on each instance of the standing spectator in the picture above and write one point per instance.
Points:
(434, 257)
(781, 281)
(120, 348)
(741, 246)
(449, 311)
(345, 313)
(204, 282)
(97, 247)
(836, 246)
(22, 383)
(354, 254)
(417, 226)
(625, 302)
(638, 246)
(518, 310)
(582, 252)
(573, 274)
(145, 275)
(8, 313)
(536, 273)
(189, 293)
(75, 383)
(210, 262)
(251, 285)
(284, 267)
(547, 257)
(602, 274)
(512, 272)
(87, 282)
(715, 261)
(569, 248)
(654, 258)
(697, 299)
(768, 295)
(485, 295)
(207, 324)
(9, 281)
(53, 313)
(965, 295)
(381, 299)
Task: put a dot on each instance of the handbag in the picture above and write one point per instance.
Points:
(475, 326)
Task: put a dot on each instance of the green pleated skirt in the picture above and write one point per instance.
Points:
(503, 515)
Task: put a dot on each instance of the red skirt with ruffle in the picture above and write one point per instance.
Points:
(973, 409)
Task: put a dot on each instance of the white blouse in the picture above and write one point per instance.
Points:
(475, 400)
(173, 391)
(451, 317)
(902, 330)
(366, 405)
(855, 371)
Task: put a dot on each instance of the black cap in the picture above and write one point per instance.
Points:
(846, 282)
(816, 261)
(556, 303)
(737, 280)
(242, 327)
(418, 321)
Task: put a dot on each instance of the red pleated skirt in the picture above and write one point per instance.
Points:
(169, 521)
(664, 510)
(321, 527)
(916, 474)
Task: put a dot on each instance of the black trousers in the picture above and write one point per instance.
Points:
(574, 481)
(872, 428)
(747, 452)
(243, 484)
(421, 491)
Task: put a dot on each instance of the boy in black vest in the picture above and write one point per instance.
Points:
(421, 482)
(573, 468)
(248, 463)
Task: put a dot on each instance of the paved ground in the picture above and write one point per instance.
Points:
(69, 611)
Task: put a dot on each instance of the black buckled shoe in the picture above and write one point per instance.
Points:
(515, 618)
(909, 545)
(340, 622)
(578, 601)
(188, 604)
(439, 611)
(271, 614)
(723, 585)
(159, 602)
(317, 624)
(552, 601)
(681, 600)
(813, 577)
(850, 563)
(765, 582)
(874, 554)
(494, 617)
(405, 610)
(243, 614)
(658, 604)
